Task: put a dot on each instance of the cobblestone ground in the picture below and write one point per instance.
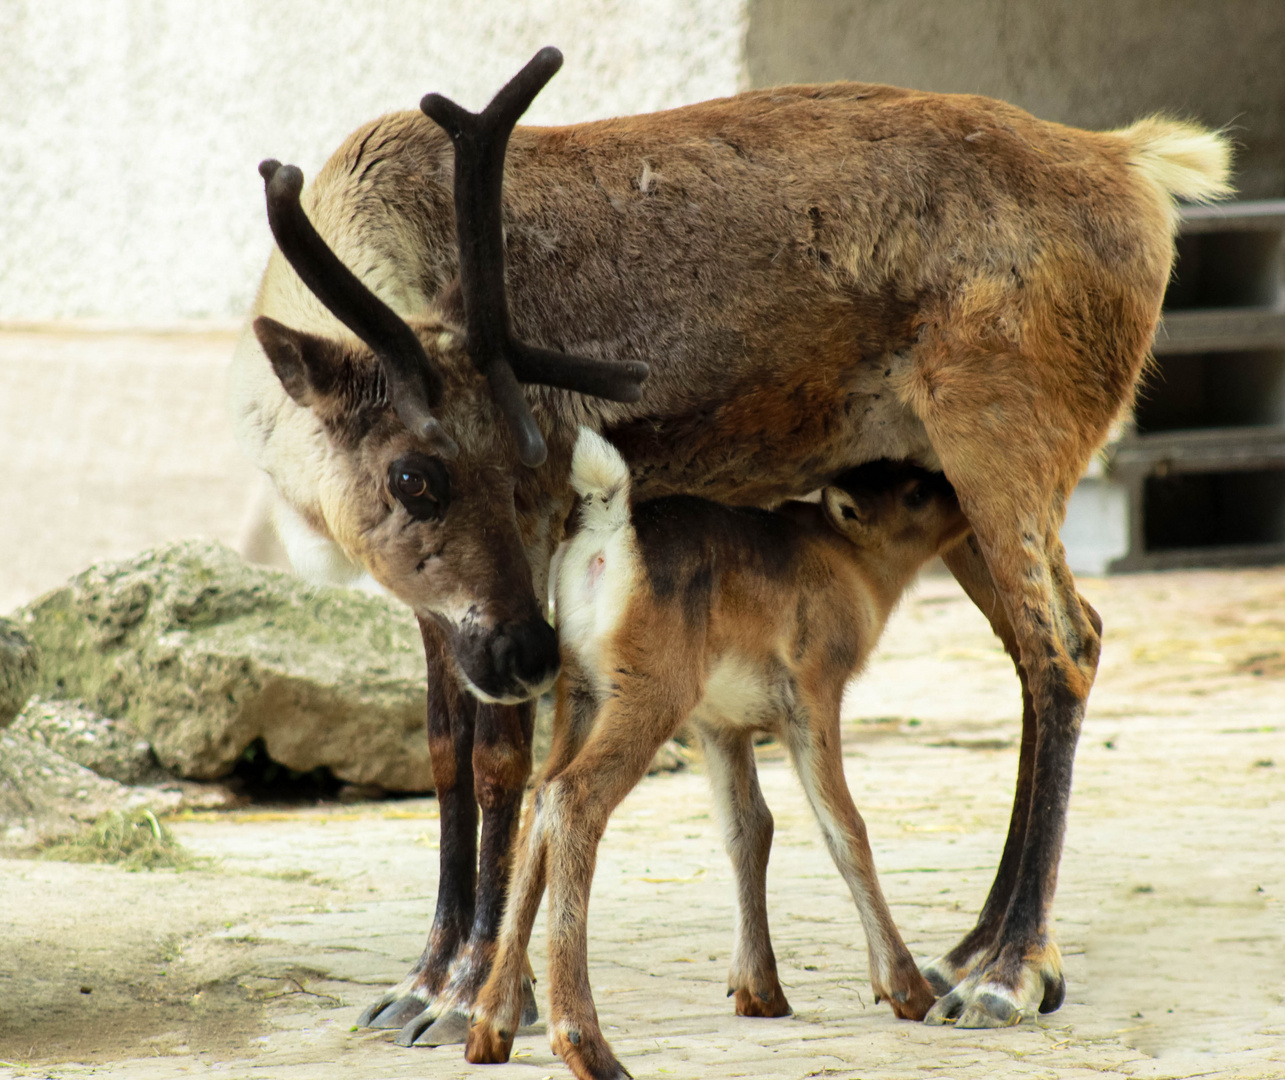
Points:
(1170, 909)
(1170, 912)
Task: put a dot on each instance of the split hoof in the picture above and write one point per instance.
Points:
(441, 1030)
(587, 1054)
(487, 1045)
(907, 992)
(989, 1010)
(770, 1004)
(391, 1011)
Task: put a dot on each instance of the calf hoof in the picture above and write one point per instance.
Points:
(911, 998)
(487, 1045)
(767, 1003)
(586, 1054)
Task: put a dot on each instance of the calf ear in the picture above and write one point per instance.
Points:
(845, 513)
(308, 366)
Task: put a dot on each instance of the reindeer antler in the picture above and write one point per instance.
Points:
(414, 385)
(480, 141)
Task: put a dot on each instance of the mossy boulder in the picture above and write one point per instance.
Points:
(111, 748)
(203, 654)
(18, 668)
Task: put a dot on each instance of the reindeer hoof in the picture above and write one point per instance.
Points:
(989, 1011)
(392, 1011)
(999, 993)
(442, 1030)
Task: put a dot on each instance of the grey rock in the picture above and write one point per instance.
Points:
(45, 796)
(112, 748)
(18, 670)
(202, 654)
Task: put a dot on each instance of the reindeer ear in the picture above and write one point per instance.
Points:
(308, 366)
(845, 513)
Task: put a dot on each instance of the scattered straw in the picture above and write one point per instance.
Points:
(135, 840)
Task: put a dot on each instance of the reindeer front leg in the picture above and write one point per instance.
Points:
(451, 715)
(501, 767)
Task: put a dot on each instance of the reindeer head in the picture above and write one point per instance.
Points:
(896, 508)
(429, 429)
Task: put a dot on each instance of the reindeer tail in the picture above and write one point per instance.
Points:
(601, 477)
(1183, 160)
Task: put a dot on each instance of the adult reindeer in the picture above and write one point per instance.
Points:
(816, 276)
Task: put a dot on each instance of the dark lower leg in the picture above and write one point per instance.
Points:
(1060, 636)
(497, 1012)
(450, 741)
(965, 561)
(501, 765)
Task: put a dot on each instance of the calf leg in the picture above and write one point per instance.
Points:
(450, 743)
(747, 832)
(500, 1005)
(573, 816)
(812, 734)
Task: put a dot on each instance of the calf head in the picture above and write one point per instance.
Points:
(902, 511)
(432, 443)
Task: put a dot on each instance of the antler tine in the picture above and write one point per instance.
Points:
(414, 384)
(480, 141)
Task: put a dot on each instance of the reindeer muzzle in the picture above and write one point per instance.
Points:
(514, 662)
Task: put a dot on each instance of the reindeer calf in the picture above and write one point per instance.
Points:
(740, 620)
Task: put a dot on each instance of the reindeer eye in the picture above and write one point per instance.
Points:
(422, 485)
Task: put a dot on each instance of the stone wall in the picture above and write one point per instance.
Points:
(1091, 63)
(131, 128)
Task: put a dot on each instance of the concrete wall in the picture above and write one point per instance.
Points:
(130, 129)
(1092, 63)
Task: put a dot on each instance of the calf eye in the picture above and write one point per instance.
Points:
(422, 485)
(917, 496)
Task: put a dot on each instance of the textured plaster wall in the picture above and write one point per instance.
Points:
(1092, 63)
(130, 129)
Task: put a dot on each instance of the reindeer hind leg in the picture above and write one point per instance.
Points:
(1013, 475)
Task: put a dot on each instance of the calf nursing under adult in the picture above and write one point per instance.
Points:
(817, 276)
(739, 620)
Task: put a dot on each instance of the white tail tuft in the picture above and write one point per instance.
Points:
(1184, 160)
(600, 475)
